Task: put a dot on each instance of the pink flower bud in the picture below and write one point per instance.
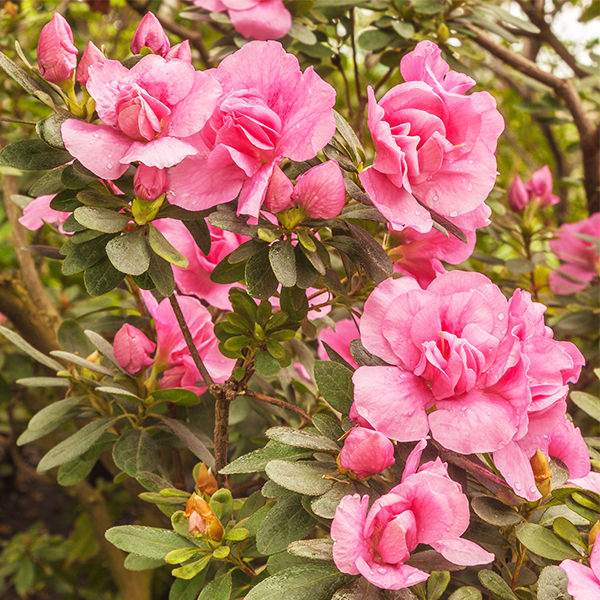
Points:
(540, 187)
(366, 452)
(150, 34)
(518, 196)
(279, 193)
(181, 52)
(57, 56)
(132, 349)
(321, 191)
(91, 56)
(150, 182)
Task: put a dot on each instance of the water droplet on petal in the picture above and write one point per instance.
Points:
(109, 156)
(532, 489)
(470, 162)
(503, 331)
(470, 187)
(417, 212)
(96, 135)
(489, 413)
(109, 165)
(451, 160)
(501, 317)
(454, 214)
(517, 486)
(405, 210)
(382, 570)
(464, 408)
(436, 198)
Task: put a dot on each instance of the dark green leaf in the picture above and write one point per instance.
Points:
(200, 232)
(303, 477)
(545, 543)
(30, 436)
(146, 541)
(319, 549)
(76, 470)
(53, 413)
(85, 255)
(98, 199)
(265, 364)
(50, 183)
(301, 439)
(18, 341)
(136, 451)
(179, 396)
(283, 262)
(306, 274)
(225, 272)
(49, 129)
(260, 279)
(228, 220)
(161, 273)
(75, 180)
(33, 155)
(493, 511)
(101, 219)
(568, 532)
(256, 461)
(65, 201)
(245, 251)
(129, 252)
(28, 83)
(295, 303)
(428, 7)
(363, 357)
(72, 339)
(375, 39)
(335, 357)
(102, 277)
(219, 589)
(335, 383)
(191, 441)
(466, 593)
(328, 426)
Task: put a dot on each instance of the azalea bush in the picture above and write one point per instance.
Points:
(284, 314)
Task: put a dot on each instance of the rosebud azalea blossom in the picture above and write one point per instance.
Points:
(91, 56)
(150, 34)
(269, 110)
(150, 182)
(538, 189)
(366, 452)
(150, 111)
(432, 142)
(56, 53)
(426, 508)
(584, 582)
(133, 349)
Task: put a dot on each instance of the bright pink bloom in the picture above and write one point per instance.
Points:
(133, 349)
(150, 111)
(584, 582)
(366, 452)
(258, 19)
(195, 278)
(580, 257)
(150, 182)
(91, 56)
(269, 110)
(172, 353)
(538, 189)
(150, 34)
(518, 197)
(38, 212)
(56, 53)
(181, 51)
(426, 508)
(432, 142)
(279, 193)
(339, 340)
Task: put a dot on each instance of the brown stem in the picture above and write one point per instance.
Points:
(221, 436)
(276, 402)
(384, 79)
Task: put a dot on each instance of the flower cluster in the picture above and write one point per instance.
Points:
(537, 190)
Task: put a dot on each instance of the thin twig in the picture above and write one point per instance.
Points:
(384, 79)
(276, 402)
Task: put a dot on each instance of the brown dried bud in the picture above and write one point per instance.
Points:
(207, 484)
(202, 520)
(541, 472)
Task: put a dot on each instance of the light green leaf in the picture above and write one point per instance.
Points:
(136, 451)
(151, 542)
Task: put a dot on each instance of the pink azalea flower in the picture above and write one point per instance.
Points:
(366, 452)
(133, 349)
(150, 34)
(432, 142)
(269, 110)
(195, 278)
(91, 56)
(580, 257)
(538, 189)
(461, 347)
(181, 51)
(38, 212)
(150, 111)
(150, 182)
(584, 582)
(426, 508)
(172, 355)
(339, 340)
(56, 53)
(258, 19)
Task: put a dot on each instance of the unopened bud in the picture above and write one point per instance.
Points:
(541, 472)
(202, 520)
(180, 51)
(150, 182)
(56, 53)
(207, 484)
(150, 34)
(91, 56)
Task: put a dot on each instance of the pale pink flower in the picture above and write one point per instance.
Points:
(195, 278)
(580, 257)
(584, 582)
(150, 34)
(133, 349)
(432, 142)
(269, 110)
(150, 182)
(366, 452)
(426, 508)
(91, 56)
(38, 212)
(538, 189)
(150, 111)
(339, 339)
(56, 53)
(258, 19)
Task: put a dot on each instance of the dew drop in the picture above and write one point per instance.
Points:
(451, 160)
(470, 187)
(375, 388)
(382, 570)
(417, 212)
(464, 408)
(109, 156)
(405, 210)
(436, 198)
(517, 486)
(109, 165)
(453, 214)
(489, 413)
(464, 180)
(503, 331)
(532, 489)
(96, 135)
(501, 317)
(470, 162)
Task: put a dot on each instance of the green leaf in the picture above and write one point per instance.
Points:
(82, 362)
(129, 252)
(28, 83)
(162, 247)
(190, 570)
(302, 477)
(361, 589)
(436, 584)
(375, 39)
(73, 178)
(190, 440)
(348, 135)
(219, 589)
(588, 403)
(238, 534)
(187, 589)
(30, 435)
(335, 383)
(72, 339)
(326, 505)
(301, 439)
(283, 262)
(44, 382)
(265, 364)
(230, 221)
(225, 272)
(98, 199)
(260, 280)
(75, 445)
(552, 584)
(256, 461)
(179, 396)
(428, 7)
(101, 219)
(245, 251)
(181, 555)
(33, 155)
(200, 232)
(79, 468)
(102, 277)
(568, 532)
(328, 426)
(49, 129)
(317, 582)
(85, 255)
(151, 542)
(495, 584)
(466, 593)
(133, 562)
(295, 303)
(53, 412)
(161, 273)
(223, 498)
(493, 511)
(286, 523)
(18, 341)
(545, 543)
(136, 451)
(319, 549)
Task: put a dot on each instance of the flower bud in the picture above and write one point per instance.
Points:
(202, 520)
(279, 193)
(207, 484)
(366, 452)
(180, 51)
(150, 34)
(541, 472)
(540, 187)
(518, 196)
(150, 182)
(56, 54)
(321, 192)
(91, 56)
(132, 349)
